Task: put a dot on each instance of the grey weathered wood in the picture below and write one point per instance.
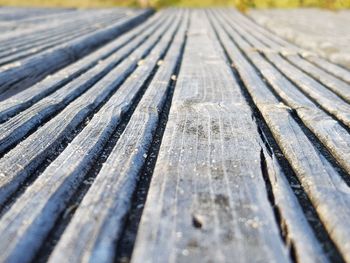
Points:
(341, 88)
(336, 70)
(207, 199)
(17, 127)
(16, 165)
(27, 223)
(117, 179)
(305, 245)
(26, 98)
(338, 86)
(325, 188)
(16, 51)
(263, 32)
(53, 26)
(325, 98)
(329, 131)
(29, 71)
(296, 229)
(218, 192)
(319, 93)
(19, 13)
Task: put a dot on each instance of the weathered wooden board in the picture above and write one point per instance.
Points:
(24, 46)
(56, 185)
(25, 73)
(207, 200)
(185, 136)
(309, 249)
(31, 152)
(22, 100)
(319, 178)
(335, 137)
(21, 124)
(118, 176)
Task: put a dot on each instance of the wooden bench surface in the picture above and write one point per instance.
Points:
(172, 136)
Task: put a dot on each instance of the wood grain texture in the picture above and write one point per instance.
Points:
(18, 126)
(31, 70)
(312, 89)
(21, 161)
(111, 192)
(339, 87)
(332, 76)
(185, 136)
(336, 70)
(320, 179)
(24, 99)
(335, 137)
(206, 202)
(308, 250)
(30, 220)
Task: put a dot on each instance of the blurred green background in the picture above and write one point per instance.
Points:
(241, 4)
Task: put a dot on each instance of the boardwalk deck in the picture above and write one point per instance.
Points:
(178, 136)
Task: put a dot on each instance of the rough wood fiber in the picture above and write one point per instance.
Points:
(27, 72)
(250, 161)
(18, 126)
(309, 250)
(207, 202)
(118, 176)
(320, 179)
(30, 219)
(21, 161)
(335, 137)
(26, 98)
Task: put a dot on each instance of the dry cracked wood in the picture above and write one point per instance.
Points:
(119, 174)
(24, 99)
(206, 202)
(242, 136)
(18, 126)
(27, 72)
(319, 178)
(17, 164)
(56, 185)
(335, 137)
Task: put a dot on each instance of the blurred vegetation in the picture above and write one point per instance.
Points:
(241, 4)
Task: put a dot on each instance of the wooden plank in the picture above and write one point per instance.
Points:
(329, 131)
(48, 29)
(309, 249)
(339, 87)
(16, 52)
(28, 38)
(325, 188)
(43, 201)
(21, 161)
(289, 51)
(299, 237)
(31, 70)
(336, 70)
(311, 88)
(18, 13)
(126, 161)
(207, 200)
(26, 98)
(52, 26)
(314, 90)
(17, 127)
(263, 32)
